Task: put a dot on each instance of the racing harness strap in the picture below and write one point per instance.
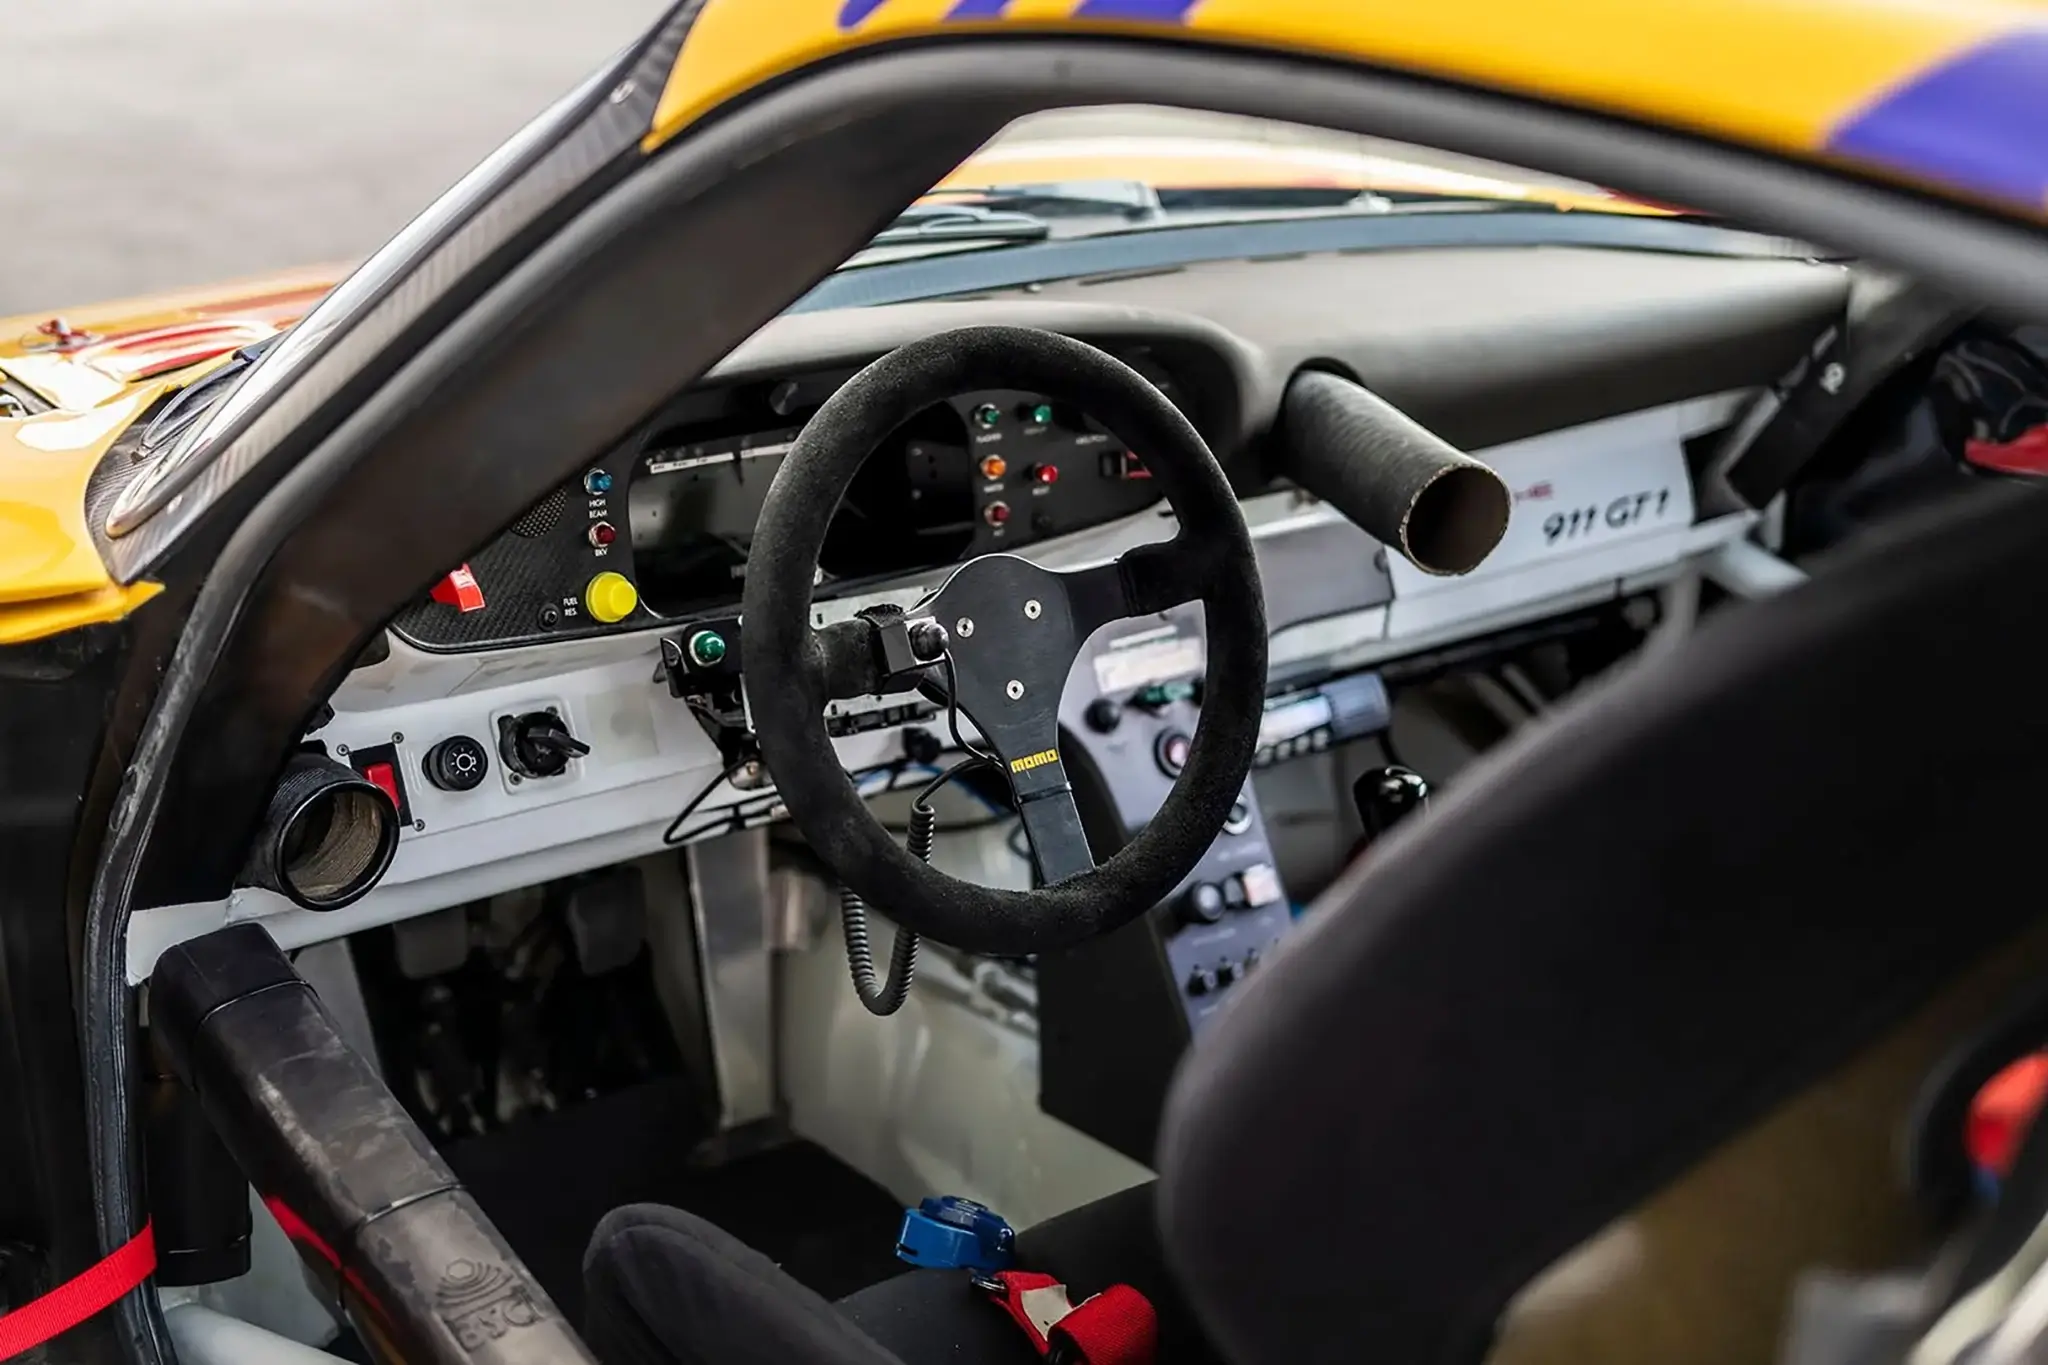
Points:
(1115, 1327)
(80, 1297)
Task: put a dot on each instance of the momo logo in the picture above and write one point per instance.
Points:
(1037, 760)
(481, 1302)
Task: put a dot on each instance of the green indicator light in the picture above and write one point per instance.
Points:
(987, 415)
(707, 647)
(1041, 413)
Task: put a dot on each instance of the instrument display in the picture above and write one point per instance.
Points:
(660, 530)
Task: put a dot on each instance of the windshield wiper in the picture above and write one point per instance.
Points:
(922, 223)
(1141, 204)
(964, 218)
(1133, 199)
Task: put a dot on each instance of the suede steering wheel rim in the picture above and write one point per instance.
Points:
(1010, 671)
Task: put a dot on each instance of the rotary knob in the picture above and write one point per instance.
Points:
(1202, 903)
(456, 764)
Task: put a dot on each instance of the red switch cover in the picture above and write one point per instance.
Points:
(385, 776)
(460, 590)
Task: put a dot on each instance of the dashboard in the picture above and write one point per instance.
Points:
(658, 530)
(1598, 382)
(1485, 347)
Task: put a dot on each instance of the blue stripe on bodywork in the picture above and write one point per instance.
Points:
(1158, 11)
(1978, 122)
(854, 13)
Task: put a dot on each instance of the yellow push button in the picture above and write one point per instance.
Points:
(611, 597)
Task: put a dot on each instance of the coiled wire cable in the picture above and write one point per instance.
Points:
(886, 996)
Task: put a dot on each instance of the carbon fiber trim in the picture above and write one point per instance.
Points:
(115, 471)
(601, 128)
(533, 585)
(543, 517)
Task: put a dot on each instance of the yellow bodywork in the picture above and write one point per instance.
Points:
(101, 369)
(1783, 75)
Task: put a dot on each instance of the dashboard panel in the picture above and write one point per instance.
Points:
(1600, 382)
(658, 531)
(1485, 347)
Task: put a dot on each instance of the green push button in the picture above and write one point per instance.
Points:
(707, 648)
(1161, 695)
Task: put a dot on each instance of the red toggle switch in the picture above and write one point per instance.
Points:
(460, 590)
(386, 777)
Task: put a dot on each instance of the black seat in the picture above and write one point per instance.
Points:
(662, 1286)
(1626, 937)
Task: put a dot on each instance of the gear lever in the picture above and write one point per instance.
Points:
(1387, 796)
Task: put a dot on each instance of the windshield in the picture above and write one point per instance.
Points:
(1083, 172)
(1050, 180)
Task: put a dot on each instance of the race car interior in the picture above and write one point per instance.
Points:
(1080, 633)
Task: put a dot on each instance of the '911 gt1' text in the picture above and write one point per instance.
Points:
(1627, 510)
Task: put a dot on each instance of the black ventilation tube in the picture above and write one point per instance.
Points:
(1398, 481)
(327, 836)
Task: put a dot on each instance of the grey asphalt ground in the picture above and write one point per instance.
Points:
(153, 143)
(149, 144)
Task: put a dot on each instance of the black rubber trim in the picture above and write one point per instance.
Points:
(789, 668)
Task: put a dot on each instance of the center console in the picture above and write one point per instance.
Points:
(1116, 1013)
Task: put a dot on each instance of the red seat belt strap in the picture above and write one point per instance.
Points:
(1116, 1327)
(80, 1297)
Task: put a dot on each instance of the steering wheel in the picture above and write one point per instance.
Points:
(1013, 631)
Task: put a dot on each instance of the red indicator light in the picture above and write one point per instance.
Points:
(602, 533)
(996, 513)
(1046, 473)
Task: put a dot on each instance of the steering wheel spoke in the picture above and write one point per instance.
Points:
(1059, 845)
(1139, 582)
